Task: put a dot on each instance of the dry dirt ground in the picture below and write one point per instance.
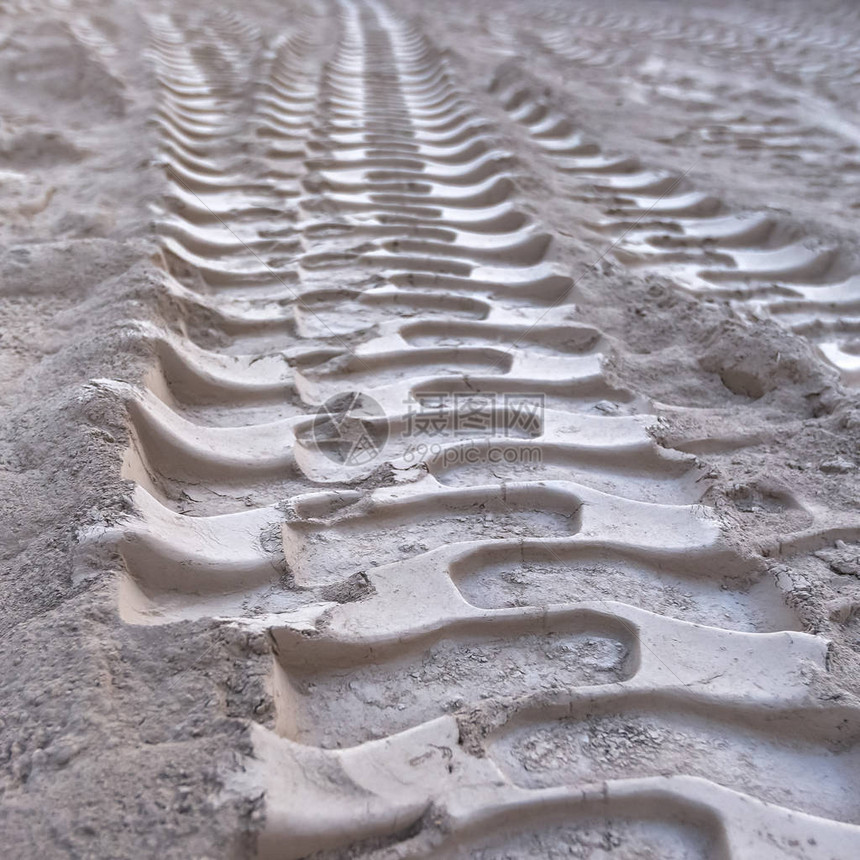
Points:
(430, 429)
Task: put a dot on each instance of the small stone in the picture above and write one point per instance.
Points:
(837, 466)
(852, 420)
(64, 751)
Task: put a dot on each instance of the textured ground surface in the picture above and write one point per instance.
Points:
(430, 430)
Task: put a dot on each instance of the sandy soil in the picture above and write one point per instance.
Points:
(430, 430)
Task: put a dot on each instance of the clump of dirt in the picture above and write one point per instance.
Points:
(759, 358)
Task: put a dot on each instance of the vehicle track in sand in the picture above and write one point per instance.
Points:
(707, 118)
(657, 219)
(476, 656)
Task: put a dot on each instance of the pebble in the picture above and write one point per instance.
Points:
(837, 466)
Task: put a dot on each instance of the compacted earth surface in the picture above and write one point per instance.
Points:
(430, 429)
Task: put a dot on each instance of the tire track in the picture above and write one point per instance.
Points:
(790, 46)
(422, 607)
(656, 219)
(687, 67)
